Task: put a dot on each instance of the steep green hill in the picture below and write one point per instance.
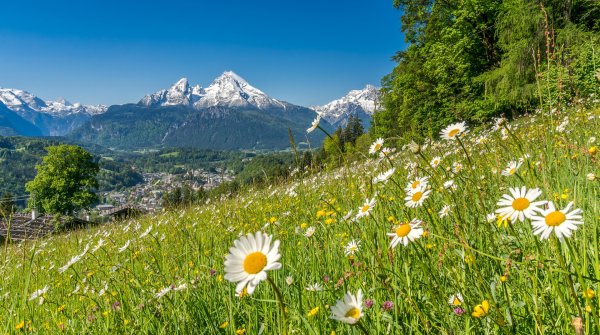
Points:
(134, 126)
(458, 267)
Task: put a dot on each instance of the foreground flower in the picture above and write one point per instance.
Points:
(366, 208)
(406, 232)
(349, 310)
(453, 131)
(481, 310)
(415, 198)
(249, 260)
(314, 124)
(418, 183)
(376, 146)
(511, 169)
(562, 222)
(519, 204)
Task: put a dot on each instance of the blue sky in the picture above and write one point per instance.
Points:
(302, 51)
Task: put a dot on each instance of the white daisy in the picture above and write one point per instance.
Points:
(384, 176)
(449, 185)
(415, 198)
(435, 162)
(416, 184)
(366, 208)
(385, 152)
(314, 124)
(406, 232)
(376, 146)
(314, 287)
(512, 168)
(453, 131)
(455, 299)
(348, 310)
(444, 211)
(562, 222)
(310, 231)
(457, 167)
(352, 247)
(519, 204)
(249, 260)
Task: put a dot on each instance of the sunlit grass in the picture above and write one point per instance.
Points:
(164, 273)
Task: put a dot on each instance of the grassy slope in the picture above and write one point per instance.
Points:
(108, 291)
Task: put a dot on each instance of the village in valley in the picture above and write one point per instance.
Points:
(149, 196)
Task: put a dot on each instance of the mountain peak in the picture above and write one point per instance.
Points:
(181, 85)
(359, 103)
(227, 90)
(230, 75)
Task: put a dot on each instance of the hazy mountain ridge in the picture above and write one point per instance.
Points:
(47, 118)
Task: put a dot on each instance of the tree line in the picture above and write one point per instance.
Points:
(475, 59)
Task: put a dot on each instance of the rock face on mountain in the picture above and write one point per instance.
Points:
(36, 117)
(229, 114)
(358, 103)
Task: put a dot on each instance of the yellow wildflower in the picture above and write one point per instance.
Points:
(481, 310)
(313, 311)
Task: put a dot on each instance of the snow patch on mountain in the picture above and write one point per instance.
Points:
(359, 103)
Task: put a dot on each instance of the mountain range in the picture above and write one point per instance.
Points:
(229, 114)
(22, 113)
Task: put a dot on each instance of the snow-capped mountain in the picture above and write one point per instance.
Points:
(228, 90)
(19, 100)
(229, 114)
(54, 118)
(359, 103)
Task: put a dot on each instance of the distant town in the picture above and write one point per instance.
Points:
(149, 195)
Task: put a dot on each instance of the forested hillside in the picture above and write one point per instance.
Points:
(471, 60)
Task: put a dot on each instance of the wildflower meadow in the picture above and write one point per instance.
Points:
(483, 230)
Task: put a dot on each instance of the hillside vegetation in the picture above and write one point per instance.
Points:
(465, 271)
(476, 59)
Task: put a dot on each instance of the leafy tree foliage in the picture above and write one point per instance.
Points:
(474, 59)
(65, 181)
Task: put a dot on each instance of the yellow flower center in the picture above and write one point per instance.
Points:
(353, 313)
(403, 230)
(456, 302)
(377, 146)
(417, 196)
(555, 218)
(365, 208)
(415, 184)
(512, 171)
(520, 204)
(255, 262)
(453, 132)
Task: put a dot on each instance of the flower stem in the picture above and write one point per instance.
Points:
(281, 304)
(362, 328)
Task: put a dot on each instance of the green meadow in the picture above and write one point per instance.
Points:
(465, 269)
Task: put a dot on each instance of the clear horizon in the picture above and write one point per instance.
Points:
(115, 52)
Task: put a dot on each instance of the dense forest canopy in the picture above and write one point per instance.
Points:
(475, 59)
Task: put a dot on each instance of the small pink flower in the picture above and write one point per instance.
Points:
(387, 306)
(459, 311)
(368, 303)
